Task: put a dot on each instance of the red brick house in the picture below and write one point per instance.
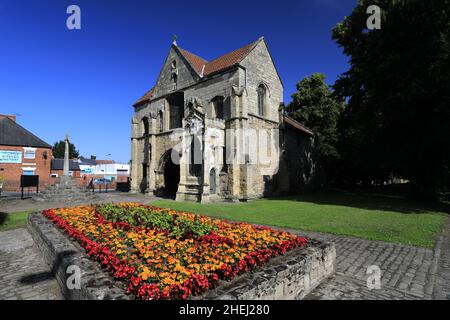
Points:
(22, 153)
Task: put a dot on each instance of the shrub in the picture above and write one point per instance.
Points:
(154, 218)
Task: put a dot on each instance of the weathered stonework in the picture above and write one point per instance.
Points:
(184, 103)
(288, 277)
(60, 252)
(291, 276)
(66, 189)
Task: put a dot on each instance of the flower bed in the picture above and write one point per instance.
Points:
(163, 254)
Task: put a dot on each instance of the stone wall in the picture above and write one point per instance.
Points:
(287, 277)
(302, 172)
(185, 74)
(264, 157)
(261, 70)
(60, 252)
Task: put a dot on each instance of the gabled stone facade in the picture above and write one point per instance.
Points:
(211, 131)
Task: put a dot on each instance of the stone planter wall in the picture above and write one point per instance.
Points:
(291, 276)
(287, 277)
(60, 252)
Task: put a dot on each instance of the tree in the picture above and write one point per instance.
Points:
(60, 147)
(398, 90)
(314, 105)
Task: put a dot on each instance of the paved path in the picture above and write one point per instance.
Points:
(406, 272)
(23, 272)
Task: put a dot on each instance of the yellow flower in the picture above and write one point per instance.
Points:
(147, 273)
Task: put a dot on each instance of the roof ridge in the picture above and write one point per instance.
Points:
(246, 49)
(231, 58)
(194, 60)
(253, 44)
(195, 55)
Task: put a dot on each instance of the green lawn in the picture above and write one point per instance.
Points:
(14, 220)
(365, 216)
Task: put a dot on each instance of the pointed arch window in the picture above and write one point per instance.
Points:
(174, 81)
(217, 106)
(261, 99)
(145, 126)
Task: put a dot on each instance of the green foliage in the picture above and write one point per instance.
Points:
(175, 225)
(398, 89)
(314, 105)
(59, 147)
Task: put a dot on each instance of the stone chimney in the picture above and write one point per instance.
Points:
(12, 117)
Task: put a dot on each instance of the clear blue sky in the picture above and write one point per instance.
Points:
(85, 81)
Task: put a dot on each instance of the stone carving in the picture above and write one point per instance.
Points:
(195, 125)
(238, 91)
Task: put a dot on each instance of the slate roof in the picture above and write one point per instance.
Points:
(58, 164)
(13, 134)
(205, 68)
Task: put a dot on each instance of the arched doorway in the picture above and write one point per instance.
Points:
(171, 176)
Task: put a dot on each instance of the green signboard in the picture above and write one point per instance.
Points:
(7, 156)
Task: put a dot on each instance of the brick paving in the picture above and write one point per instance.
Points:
(407, 272)
(23, 273)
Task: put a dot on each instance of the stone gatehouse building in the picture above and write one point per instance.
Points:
(201, 132)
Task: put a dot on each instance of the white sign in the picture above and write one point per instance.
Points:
(10, 156)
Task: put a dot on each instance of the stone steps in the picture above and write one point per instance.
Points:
(67, 190)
